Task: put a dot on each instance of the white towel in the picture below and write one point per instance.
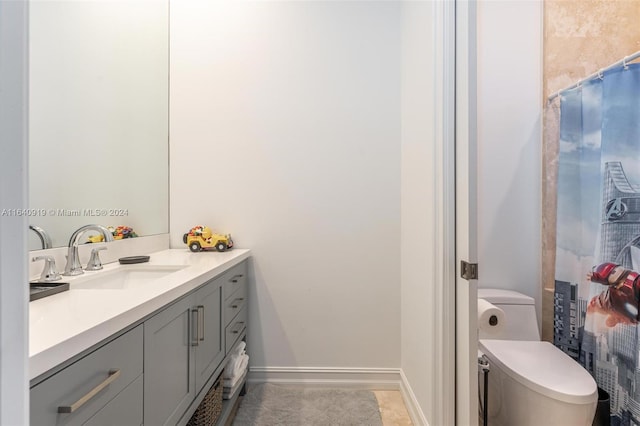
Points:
(231, 366)
(235, 366)
(234, 359)
(237, 373)
(227, 392)
(238, 349)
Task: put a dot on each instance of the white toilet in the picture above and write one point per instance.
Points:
(531, 382)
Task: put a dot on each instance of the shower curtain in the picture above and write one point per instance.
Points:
(598, 235)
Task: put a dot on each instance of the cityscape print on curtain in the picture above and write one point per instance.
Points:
(597, 285)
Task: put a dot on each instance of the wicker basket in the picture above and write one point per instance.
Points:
(210, 408)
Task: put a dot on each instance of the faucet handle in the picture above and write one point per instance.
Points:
(94, 261)
(49, 272)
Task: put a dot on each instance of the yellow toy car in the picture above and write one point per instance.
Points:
(200, 238)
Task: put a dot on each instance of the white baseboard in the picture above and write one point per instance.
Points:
(415, 412)
(361, 378)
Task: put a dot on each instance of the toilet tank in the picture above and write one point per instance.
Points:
(521, 322)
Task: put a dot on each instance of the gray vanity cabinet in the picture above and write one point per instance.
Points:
(169, 384)
(183, 346)
(102, 388)
(158, 370)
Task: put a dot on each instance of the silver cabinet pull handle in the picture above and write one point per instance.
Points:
(235, 278)
(237, 302)
(195, 327)
(201, 327)
(238, 328)
(113, 375)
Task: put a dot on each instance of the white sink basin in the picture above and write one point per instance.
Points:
(124, 278)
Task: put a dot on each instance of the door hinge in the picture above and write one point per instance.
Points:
(468, 271)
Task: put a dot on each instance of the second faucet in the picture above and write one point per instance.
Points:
(73, 266)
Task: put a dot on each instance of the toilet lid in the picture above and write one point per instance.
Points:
(542, 367)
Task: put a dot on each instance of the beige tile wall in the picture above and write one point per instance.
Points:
(580, 37)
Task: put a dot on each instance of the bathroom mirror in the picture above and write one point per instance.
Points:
(98, 116)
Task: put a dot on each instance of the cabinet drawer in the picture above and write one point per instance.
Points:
(234, 279)
(234, 303)
(235, 329)
(123, 410)
(86, 386)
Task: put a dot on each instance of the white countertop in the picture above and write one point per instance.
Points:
(65, 324)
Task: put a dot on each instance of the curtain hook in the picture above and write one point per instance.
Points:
(601, 74)
(624, 63)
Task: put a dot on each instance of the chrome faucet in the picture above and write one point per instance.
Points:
(49, 273)
(95, 264)
(45, 240)
(73, 266)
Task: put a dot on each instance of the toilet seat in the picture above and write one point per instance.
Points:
(543, 368)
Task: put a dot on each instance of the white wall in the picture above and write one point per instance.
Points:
(291, 129)
(285, 131)
(509, 145)
(418, 194)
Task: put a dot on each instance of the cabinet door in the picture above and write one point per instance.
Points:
(169, 373)
(210, 349)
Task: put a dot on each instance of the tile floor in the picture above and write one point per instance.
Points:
(392, 408)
